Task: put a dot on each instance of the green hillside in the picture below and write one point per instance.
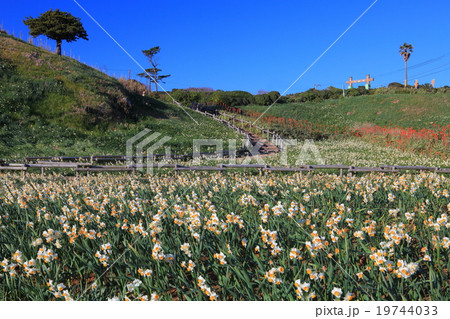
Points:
(53, 105)
(402, 110)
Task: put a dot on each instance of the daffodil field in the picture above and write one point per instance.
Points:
(236, 236)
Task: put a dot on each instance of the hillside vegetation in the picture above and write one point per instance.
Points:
(417, 123)
(400, 110)
(37, 82)
(55, 105)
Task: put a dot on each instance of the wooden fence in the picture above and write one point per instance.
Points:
(152, 157)
(133, 168)
(272, 137)
(86, 163)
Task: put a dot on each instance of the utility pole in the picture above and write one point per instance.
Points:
(129, 74)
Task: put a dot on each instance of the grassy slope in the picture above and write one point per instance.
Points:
(51, 105)
(399, 110)
(402, 110)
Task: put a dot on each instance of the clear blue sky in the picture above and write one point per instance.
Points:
(253, 45)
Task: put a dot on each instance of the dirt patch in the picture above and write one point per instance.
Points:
(396, 101)
(350, 113)
(415, 111)
(35, 57)
(361, 126)
(379, 112)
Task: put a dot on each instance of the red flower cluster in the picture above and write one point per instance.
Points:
(425, 141)
(432, 142)
(291, 127)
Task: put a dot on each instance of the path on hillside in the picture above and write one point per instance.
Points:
(266, 148)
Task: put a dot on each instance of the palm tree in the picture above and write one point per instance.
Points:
(405, 51)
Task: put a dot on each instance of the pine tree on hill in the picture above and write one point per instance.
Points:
(56, 25)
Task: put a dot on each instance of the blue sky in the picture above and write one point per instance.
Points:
(254, 45)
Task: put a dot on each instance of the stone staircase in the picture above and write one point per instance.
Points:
(266, 148)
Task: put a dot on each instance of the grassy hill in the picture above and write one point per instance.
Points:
(417, 122)
(388, 126)
(402, 110)
(55, 105)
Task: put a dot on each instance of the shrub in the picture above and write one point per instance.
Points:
(395, 85)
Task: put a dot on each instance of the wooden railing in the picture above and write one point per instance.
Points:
(123, 158)
(87, 163)
(272, 137)
(133, 168)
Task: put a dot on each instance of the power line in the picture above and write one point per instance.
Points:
(427, 62)
(436, 68)
(316, 60)
(426, 75)
(418, 65)
(134, 60)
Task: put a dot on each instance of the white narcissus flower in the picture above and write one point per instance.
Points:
(337, 292)
(305, 286)
(349, 296)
